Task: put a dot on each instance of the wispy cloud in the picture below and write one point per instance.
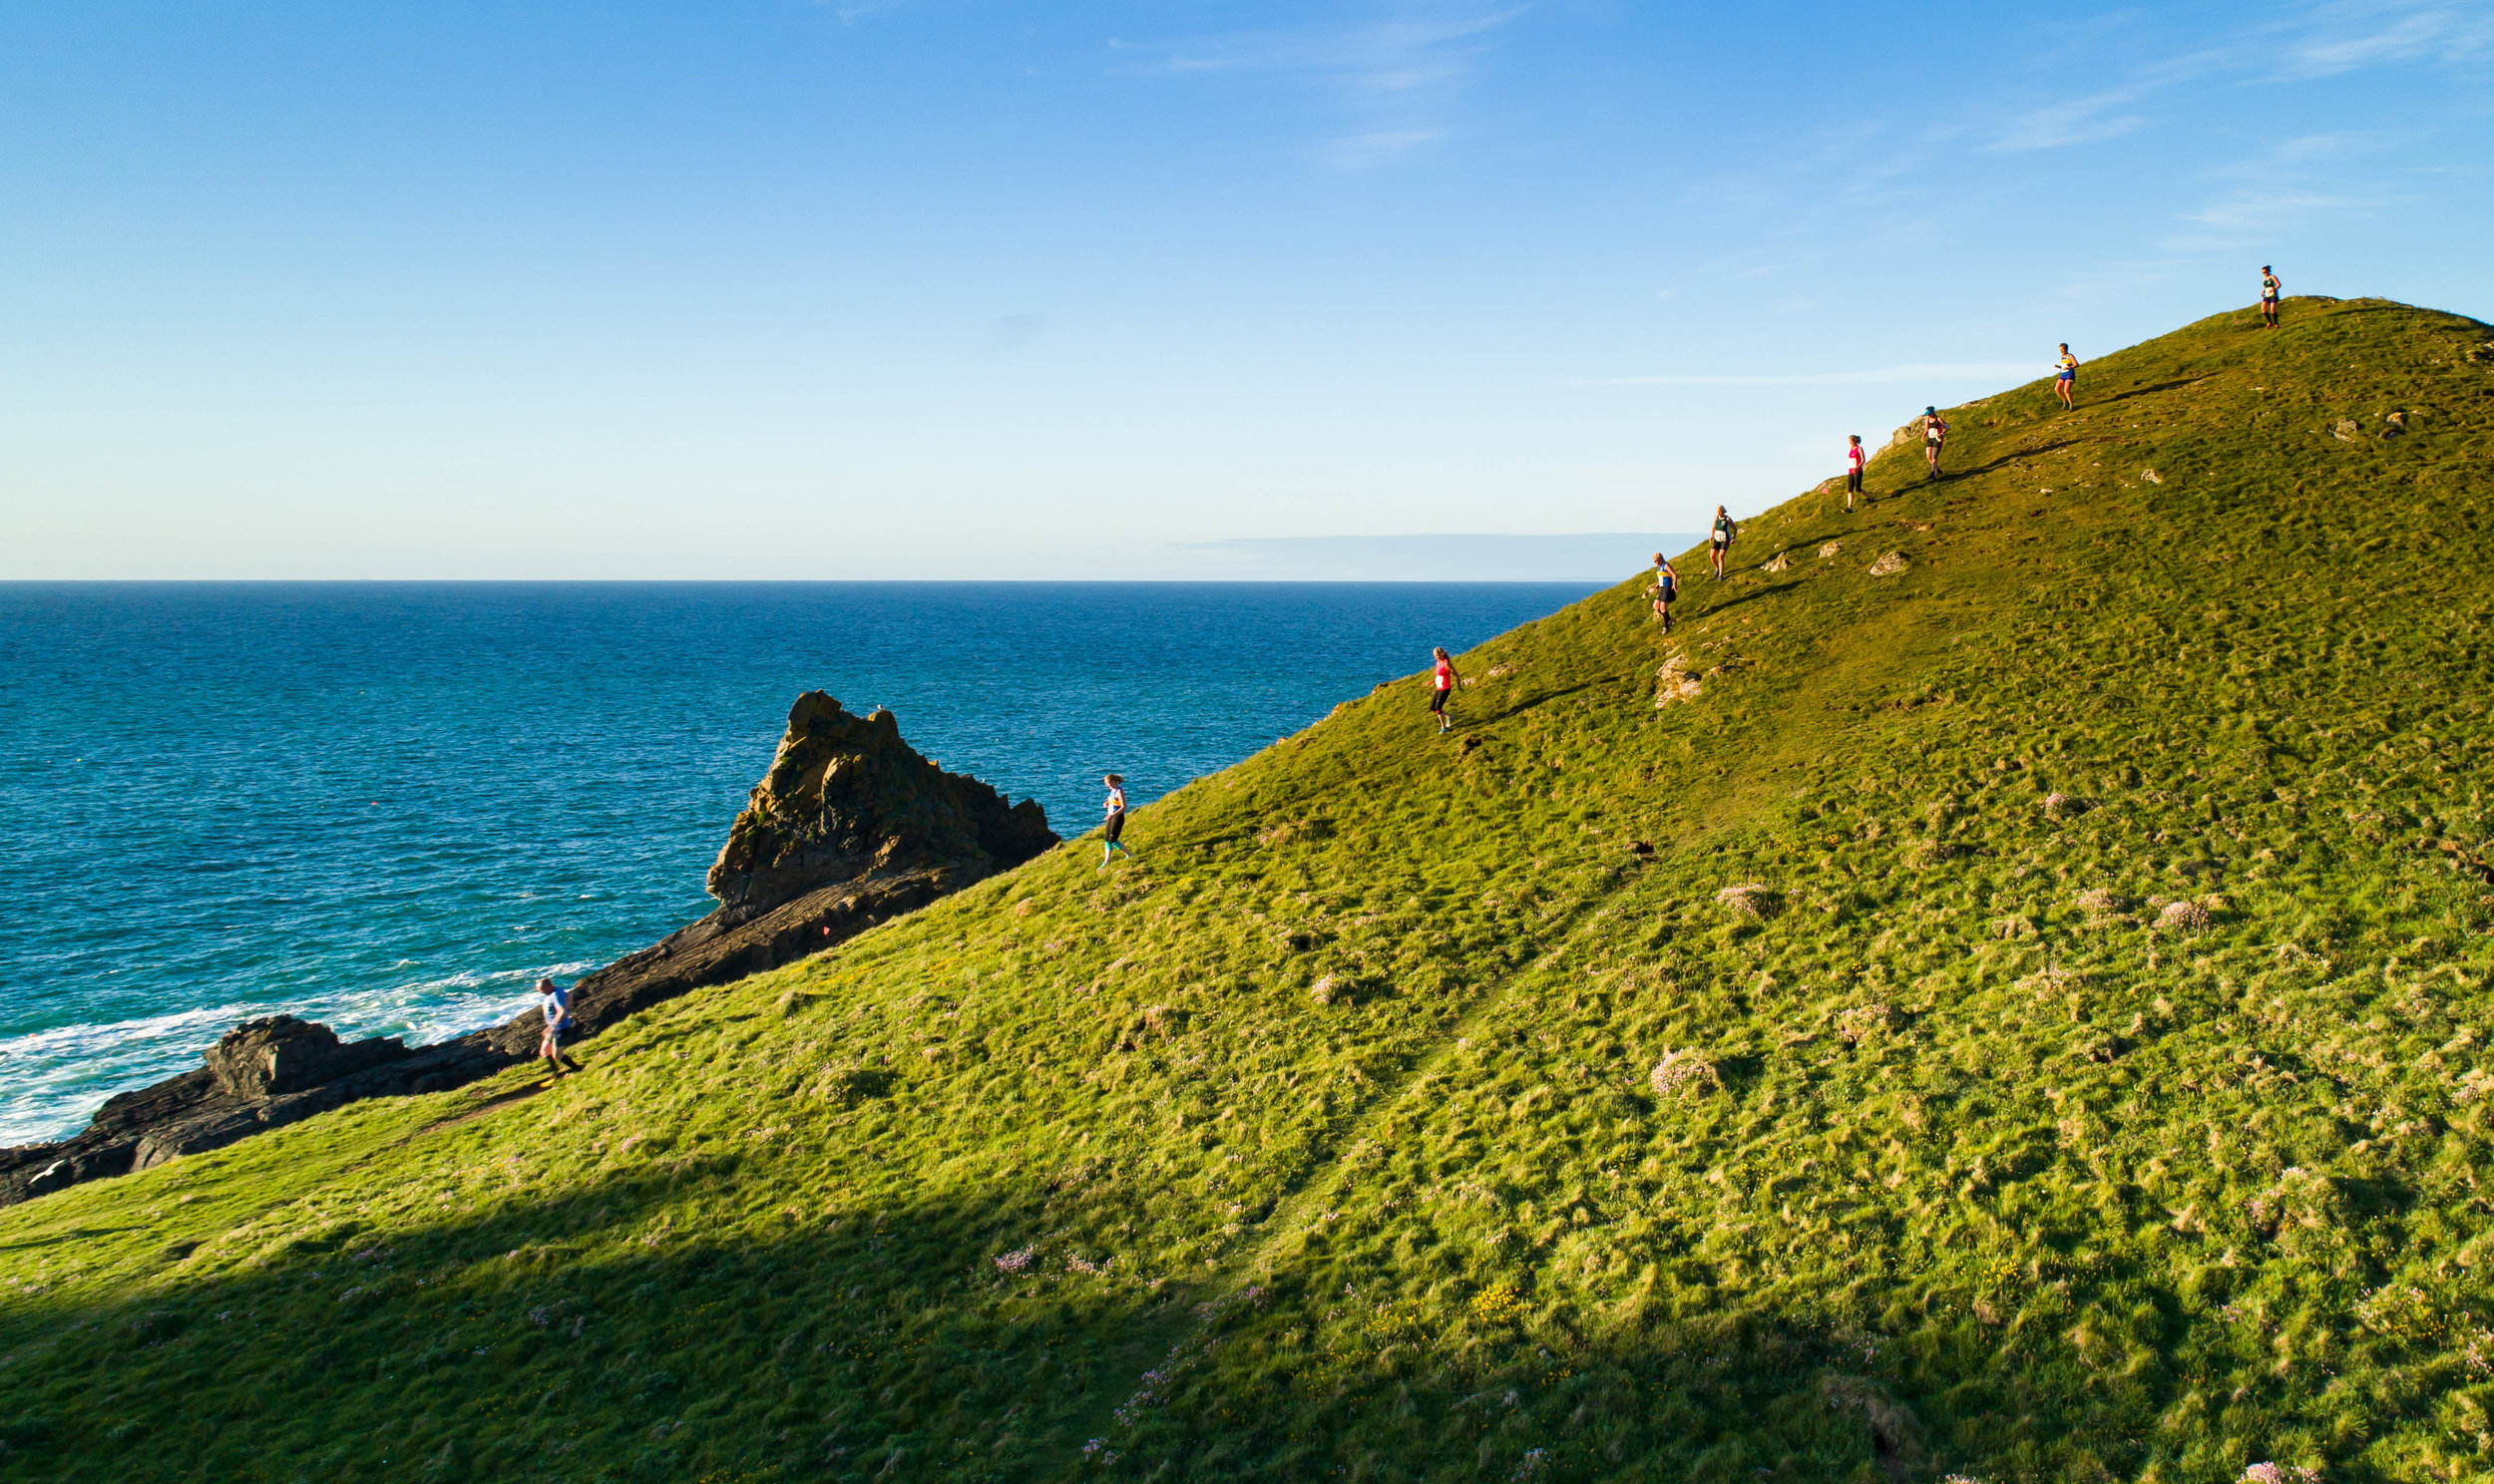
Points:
(1393, 77)
(1353, 151)
(1939, 371)
(1013, 331)
(2296, 45)
(2339, 144)
(2255, 211)
(2365, 33)
(850, 12)
(2080, 120)
(2278, 188)
(2244, 217)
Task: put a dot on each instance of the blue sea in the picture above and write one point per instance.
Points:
(391, 807)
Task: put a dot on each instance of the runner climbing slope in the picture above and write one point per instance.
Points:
(1934, 435)
(1853, 461)
(2065, 375)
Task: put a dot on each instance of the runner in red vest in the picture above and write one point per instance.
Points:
(1443, 681)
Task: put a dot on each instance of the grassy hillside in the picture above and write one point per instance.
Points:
(2089, 1086)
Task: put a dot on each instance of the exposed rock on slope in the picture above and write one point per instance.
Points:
(850, 828)
(846, 796)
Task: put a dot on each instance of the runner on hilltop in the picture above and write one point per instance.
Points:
(2270, 289)
(1721, 540)
(1666, 587)
(1853, 459)
(1934, 433)
(2065, 378)
(1114, 808)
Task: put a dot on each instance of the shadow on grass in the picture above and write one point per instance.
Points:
(60, 1237)
(2161, 386)
(596, 1333)
(1875, 1382)
(1522, 704)
(1767, 589)
(2011, 457)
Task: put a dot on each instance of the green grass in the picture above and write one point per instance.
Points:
(1975, 1153)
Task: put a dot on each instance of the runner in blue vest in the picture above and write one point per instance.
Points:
(1666, 587)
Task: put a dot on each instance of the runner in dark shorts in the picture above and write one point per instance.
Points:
(557, 1004)
(1853, 459)
(1442, 683)
(1719, 540)
(1666, 587)
(1934, 436)
(1114, 808)
(2270, 289)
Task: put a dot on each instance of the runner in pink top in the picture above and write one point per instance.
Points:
(1853, 459)
(1443, 682)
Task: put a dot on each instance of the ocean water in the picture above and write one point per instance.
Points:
(391, 807)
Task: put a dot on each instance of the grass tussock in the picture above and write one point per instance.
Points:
(2105, 1096)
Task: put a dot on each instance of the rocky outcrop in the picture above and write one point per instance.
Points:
(261, 1058)
(846, 797)
(850, 828)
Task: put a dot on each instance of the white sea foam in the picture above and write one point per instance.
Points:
(57, 1077)
(53, 1080)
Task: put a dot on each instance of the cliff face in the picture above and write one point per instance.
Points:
(845, 797)
(850, 828)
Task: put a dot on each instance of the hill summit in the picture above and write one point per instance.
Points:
(1999, 992)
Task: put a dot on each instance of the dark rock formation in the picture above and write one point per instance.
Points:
(845, 796)
(850, 828)
(261, 1058)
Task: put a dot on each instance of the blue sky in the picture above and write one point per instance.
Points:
(932, 288)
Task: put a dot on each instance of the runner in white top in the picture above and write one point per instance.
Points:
(557, 1007)
(1114, 807)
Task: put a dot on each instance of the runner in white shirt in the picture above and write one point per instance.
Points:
(557, 1004)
